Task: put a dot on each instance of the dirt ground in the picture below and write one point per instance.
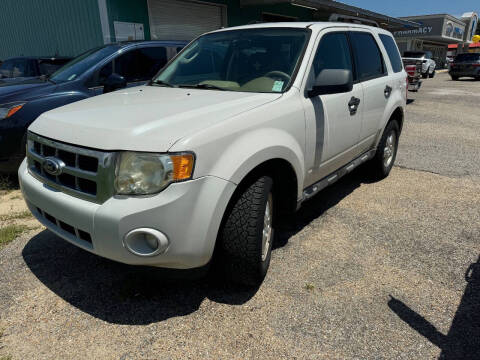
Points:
(366, 270)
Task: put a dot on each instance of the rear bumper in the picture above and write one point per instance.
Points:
(188, 213)
(466, 73)
(414, 85)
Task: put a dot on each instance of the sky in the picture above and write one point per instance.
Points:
(417, 7)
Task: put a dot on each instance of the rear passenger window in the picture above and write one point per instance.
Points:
(392, 52)
(368, 58)
(333, 53)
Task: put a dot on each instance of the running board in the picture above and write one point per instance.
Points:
(312, 190)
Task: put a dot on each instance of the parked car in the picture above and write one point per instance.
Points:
(428, 64)
(413, 67)
(233, 135)
(465, 65)
(24, 68)
(97, 71)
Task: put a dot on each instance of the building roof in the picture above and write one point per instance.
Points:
(340, 8)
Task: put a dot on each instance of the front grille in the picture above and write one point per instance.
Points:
(77, 233)
(86, 174)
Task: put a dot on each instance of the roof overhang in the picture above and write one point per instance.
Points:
(388, 22)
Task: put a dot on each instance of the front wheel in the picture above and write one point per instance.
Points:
(382, 163)
(247, 234)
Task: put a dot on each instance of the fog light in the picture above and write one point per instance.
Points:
(146, 242)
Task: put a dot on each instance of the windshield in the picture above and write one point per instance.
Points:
(82, 63)
(467, 57)
(256, 60)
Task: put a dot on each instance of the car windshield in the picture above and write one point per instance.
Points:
(467, 57)
(256, 60)
(82, 63)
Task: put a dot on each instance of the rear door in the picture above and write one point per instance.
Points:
(372, 74)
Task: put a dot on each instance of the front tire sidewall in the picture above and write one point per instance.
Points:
(242, 232)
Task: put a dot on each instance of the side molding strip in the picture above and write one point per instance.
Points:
(333, 177)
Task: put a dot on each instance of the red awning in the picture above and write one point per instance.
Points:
(454, 46)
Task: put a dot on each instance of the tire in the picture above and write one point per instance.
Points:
(432, 74)
(379, 166)
(245, 251)
(425, 75)
(454, 78)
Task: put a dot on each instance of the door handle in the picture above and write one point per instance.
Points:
(387, 91)
(353, 105)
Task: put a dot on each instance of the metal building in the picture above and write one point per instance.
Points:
(69, 27)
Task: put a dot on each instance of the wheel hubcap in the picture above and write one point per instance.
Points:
(267, 228)
(389, 150)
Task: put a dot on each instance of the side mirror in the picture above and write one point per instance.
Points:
(114, 82)
(332, 81)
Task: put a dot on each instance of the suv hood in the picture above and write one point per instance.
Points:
(145, 118)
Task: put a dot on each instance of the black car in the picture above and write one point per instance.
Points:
(22, 68)
(465, 65)
(95, 72)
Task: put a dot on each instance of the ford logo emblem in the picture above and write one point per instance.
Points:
(53, 166)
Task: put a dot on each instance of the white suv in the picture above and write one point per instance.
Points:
(233, 134)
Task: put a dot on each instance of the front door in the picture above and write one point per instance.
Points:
(333, 121)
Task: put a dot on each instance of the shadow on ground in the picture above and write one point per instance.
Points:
(123, 294)
(8, 182)
(463, 338)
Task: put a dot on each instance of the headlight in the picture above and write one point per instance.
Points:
(7, 110)
(148, 173)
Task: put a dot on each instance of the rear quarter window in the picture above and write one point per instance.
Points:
(392, 51)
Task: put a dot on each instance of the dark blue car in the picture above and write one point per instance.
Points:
(95, 72)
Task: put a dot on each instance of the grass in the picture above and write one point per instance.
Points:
(9, 233)
(309, 287)
(16, 216)
(5, 357)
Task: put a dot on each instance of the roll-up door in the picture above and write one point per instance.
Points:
(182, 20)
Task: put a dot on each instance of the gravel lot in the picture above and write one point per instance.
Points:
(365, 270)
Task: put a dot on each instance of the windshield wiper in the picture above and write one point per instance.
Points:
(203, 86)
(161, 83)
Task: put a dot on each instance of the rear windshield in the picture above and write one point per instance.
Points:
(467, 57)
(413, 54)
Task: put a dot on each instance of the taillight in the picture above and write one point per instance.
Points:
(476, 65)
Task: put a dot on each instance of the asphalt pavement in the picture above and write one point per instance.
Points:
(365, 270)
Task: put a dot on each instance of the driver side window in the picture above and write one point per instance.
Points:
(333, 52)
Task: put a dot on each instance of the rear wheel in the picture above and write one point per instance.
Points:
(247, 234)
(432, 74)
(382, 163)
(425, 75)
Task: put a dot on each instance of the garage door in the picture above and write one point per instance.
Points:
(182, 20)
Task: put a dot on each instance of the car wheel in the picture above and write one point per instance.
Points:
(432, 74)
(425, 74)
(382, 163)
(454, 78)
(247, 233)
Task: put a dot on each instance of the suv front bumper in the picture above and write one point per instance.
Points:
(188, 213)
